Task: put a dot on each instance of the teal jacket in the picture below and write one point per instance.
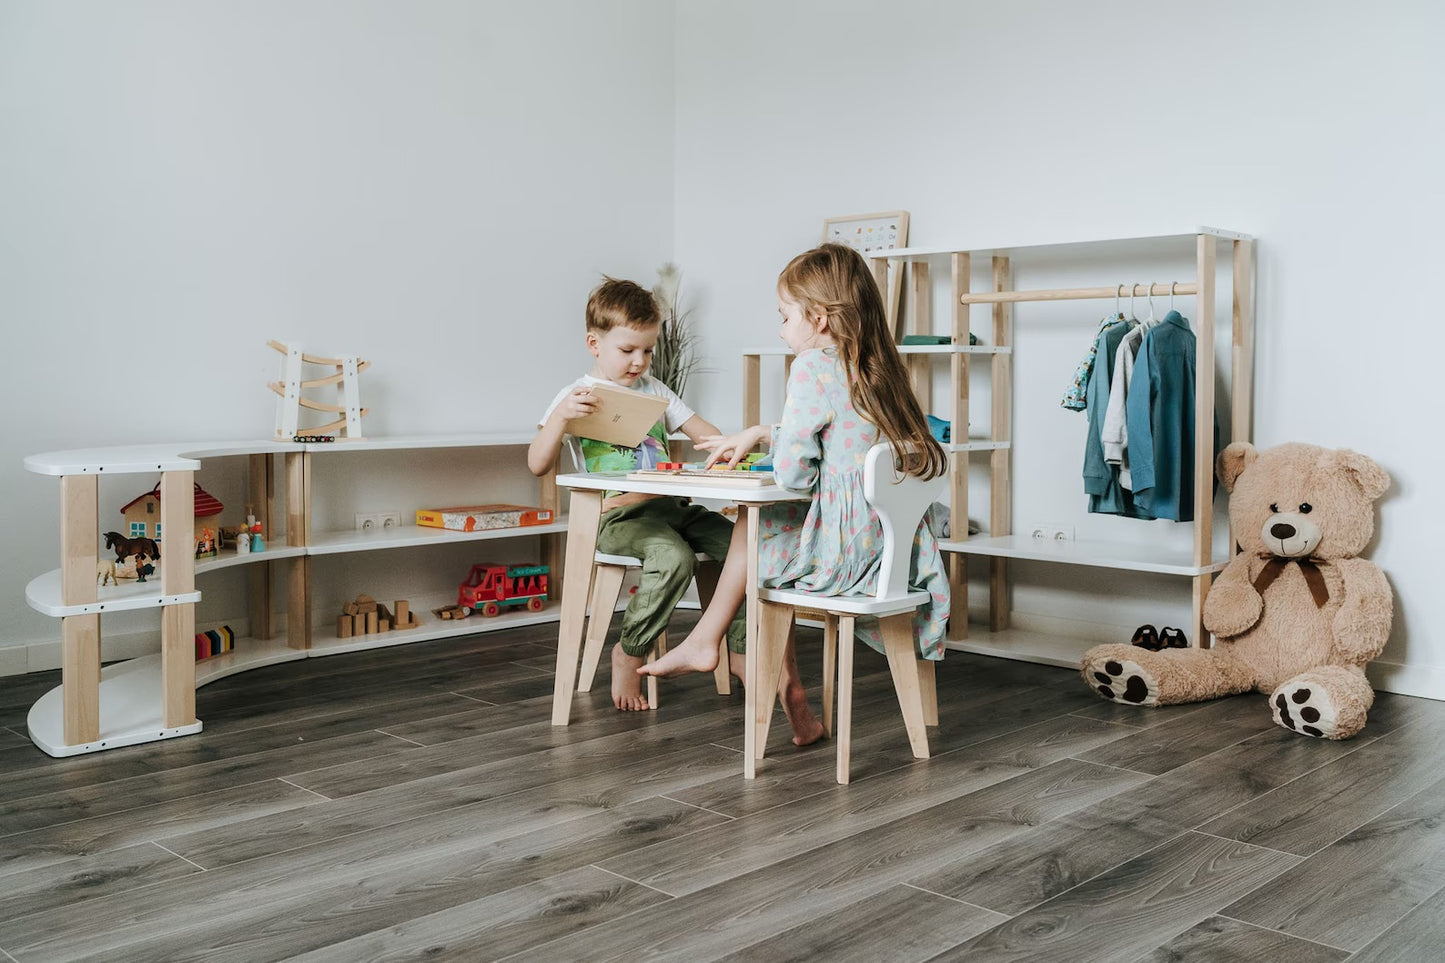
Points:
(1160, 415)
(1101, 480)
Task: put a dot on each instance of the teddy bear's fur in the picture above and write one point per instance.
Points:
(1296, 614)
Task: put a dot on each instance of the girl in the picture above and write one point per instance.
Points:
(847, 391)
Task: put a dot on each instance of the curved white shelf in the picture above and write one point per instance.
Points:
(185, 456)
(404, 536)
(229, 558)
(1164, 560)
(44, 596)
(130, 701)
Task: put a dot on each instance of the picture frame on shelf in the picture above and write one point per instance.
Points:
(868, 233)
(871, 234)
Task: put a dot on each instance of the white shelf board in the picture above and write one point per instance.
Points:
(943, 349)
(1165, 560)
(229, 557)
(130, 711)
(406, 536)
(1021, 243)
(1024, 646)
(185, 456)
(44, 596)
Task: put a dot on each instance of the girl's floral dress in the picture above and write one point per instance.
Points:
(833, 544)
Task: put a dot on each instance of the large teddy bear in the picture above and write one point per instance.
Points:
(1296, 614)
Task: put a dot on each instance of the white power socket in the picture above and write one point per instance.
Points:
(367, 521)
(389, 520)
(1051, 532)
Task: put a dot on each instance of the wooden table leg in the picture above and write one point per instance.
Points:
(576, 586)
(748, 515)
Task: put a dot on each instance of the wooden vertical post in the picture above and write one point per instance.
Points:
(1241, 375)
(79, 634)
(752, 390)
(552, 547)
(259, 492)
(298, 533)
(961, 268)
(1203, 426)
(920, 321)
(178, 576)
(1000, 514)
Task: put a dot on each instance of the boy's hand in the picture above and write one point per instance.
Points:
(732, 447)
(578, 403)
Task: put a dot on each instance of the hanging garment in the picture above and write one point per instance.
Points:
(1160, 416)
(1114, 433)
(1101, 480)
(1076, 398)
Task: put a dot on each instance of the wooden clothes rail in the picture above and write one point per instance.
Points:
(1081, 294)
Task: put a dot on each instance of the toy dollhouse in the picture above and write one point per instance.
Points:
(143, 518)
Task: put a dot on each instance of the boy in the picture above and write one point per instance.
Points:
(623, 322)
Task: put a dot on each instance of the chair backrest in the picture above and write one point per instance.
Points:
(900, 500)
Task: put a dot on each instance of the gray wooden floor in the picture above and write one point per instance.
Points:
(416, 802)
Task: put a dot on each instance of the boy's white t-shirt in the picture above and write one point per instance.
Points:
(589, 454)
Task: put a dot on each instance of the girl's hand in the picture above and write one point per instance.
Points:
(732, 447)
(579, 402)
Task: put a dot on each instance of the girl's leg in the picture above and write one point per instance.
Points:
(699, 651)
(807, 728)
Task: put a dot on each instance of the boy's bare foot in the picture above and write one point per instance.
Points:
(693, 655)
(807, 728)
(626, 683)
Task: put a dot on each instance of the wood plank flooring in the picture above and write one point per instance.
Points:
(416, 802)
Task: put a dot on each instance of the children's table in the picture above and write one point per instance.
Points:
(587, 492)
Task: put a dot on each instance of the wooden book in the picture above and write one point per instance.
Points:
(623, 416)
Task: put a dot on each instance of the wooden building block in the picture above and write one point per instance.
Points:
(403, 612)
(358, 624)
(383, 613)
(343, 627)
(384, 625)
(350, 608)
(372, 622)
(367, 608)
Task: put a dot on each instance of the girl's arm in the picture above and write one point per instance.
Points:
(797, 449)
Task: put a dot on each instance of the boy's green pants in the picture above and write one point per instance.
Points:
(666, 533)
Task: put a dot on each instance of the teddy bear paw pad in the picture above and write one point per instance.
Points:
(1124, 682)
(1304, 708)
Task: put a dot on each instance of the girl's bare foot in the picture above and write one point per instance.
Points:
(807, 728)
(693, 655)
(626, 683)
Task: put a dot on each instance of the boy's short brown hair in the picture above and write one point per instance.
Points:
(616, 302)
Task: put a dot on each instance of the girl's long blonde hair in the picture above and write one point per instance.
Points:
(835, 281)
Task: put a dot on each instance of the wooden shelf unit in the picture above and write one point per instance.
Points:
(153, 697)
(1208, 554)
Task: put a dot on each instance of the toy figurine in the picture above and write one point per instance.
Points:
(258, 543)
(143, 568)
(243, 542)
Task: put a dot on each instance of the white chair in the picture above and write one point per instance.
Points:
(900, 501)
(608, 571)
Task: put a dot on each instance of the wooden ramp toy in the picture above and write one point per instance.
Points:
(344, 373)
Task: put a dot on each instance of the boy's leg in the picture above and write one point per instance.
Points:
(699, 651)
(645, 531)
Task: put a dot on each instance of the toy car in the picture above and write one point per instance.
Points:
(319, 438)
(489, 587)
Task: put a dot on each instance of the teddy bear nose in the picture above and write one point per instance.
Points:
(1281, 530)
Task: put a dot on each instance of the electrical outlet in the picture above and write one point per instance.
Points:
(1051, 532)
(367, 521)
(389, 519)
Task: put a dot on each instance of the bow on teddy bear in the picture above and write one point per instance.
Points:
(1297, 613)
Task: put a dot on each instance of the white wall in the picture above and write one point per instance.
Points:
(434, 186)
(1313, 126)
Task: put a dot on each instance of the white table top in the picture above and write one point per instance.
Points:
(619, 482)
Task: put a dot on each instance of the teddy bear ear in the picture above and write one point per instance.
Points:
(1373, 480)
(1232, 462)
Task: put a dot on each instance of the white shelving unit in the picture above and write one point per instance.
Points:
(152, 698)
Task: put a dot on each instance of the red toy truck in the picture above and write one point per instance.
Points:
(489, 587)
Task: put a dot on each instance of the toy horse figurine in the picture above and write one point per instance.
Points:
(126, 547)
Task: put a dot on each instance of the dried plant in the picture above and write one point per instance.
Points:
(675, 358)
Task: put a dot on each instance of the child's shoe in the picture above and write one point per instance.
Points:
(1147, 637)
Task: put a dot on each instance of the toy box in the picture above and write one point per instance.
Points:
(480, 517)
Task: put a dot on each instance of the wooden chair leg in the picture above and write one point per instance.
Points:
(830, 669)
(706, 577)
(898, 645)
(928, 686)
(606, 588)
(843, 734)
(775, 622)
(659, 649)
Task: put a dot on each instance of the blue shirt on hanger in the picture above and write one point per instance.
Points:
(1160, 415)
